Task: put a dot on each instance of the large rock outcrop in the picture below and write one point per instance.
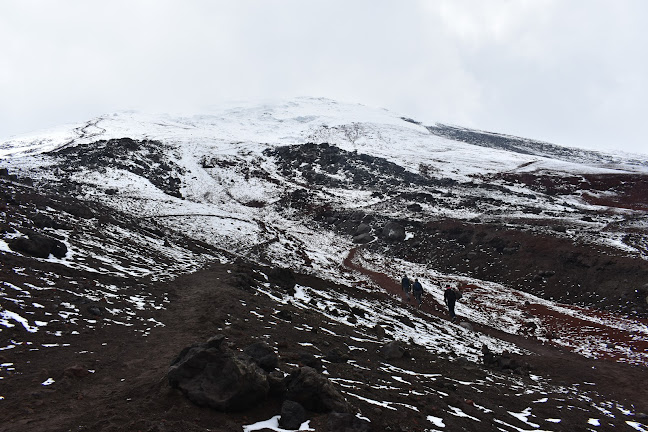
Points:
(39, 246)
(394, 231)
(315, 392)
(212, 375)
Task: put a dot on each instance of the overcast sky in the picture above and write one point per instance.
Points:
(571, 72)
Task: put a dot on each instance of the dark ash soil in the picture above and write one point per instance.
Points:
(112, 378)
(128, 389)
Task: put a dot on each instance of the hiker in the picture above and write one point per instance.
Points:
(450, 297)
(407, 286)
(417, 289)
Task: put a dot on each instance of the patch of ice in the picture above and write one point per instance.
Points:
(399, 379)
(156, 322)
(459, 413)
(383, 404)
(6, 315)
(637, 426)
(482, 408)
(437, 421)
(273, 424)
(623, 410)
(524, 417)
(517, 428)
(4, 247)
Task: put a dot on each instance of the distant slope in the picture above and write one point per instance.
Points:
(530, 147)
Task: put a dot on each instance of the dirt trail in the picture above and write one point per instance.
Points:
(556, 323)
(394, 288)
(550, 360)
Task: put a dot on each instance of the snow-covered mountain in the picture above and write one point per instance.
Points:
(547, 243)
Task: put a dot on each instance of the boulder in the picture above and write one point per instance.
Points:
(337, 356)
(39, 246)
(347, 226)
(416, 207)
(503, 361)
(285, 315)
(357, 311)
(277, 383)
(392, 350)
(308, 359)
(363, 238)
(394, 231)
(292, 415)
(315, 392)
(379, 331)
(363, 228)
(282, 277)
(263, 355)
(406, 320)
(210, 374)
(357, 215)
(95, 310)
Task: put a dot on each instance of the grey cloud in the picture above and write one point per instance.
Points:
(567, 72)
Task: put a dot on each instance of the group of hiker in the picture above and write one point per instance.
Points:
(450, 295)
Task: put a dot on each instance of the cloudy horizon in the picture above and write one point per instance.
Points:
(571, 73)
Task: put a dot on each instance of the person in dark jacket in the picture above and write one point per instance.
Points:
(407, 286)
(417, 289)
(450, 298)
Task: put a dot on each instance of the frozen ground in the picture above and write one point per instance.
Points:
(164, 196)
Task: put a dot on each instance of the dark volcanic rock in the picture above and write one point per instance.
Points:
(277, 383)
(308, 359)
(292, 415)
(363, 238)
(394, 231)
(337, 356)
(95, 310)
(210, 374)
(362, 229)
(285, 315)
(503, 361)
(282, 277)
(39, 246)
(415, 207)
(263, 355)
(392, 351)
(315, 392)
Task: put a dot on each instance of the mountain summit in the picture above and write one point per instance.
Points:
(286, 229)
